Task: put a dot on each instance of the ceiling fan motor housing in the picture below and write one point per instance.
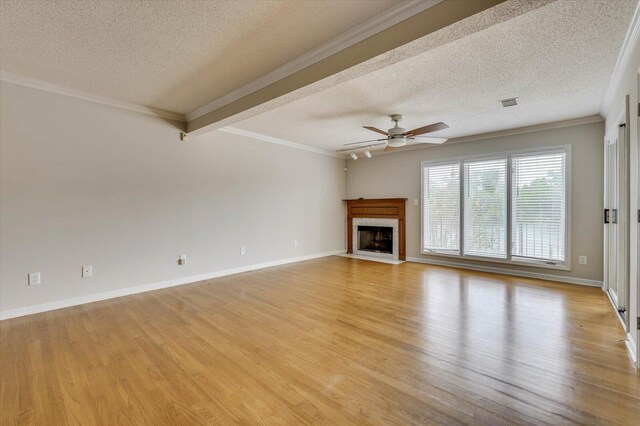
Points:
(396, 136)
(396, 130)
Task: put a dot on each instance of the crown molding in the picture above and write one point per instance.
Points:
(259, 136)
(508, 132)
(627, 49)
(391, 17)
(78, 94)
(528, 129)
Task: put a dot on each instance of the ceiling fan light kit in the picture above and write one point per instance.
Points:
(397, 137)
(397, 142)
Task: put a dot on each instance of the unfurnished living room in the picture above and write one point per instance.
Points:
(330, 212)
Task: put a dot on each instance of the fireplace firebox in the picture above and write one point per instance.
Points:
(376, 239)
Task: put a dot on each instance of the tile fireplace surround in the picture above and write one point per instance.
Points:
(365, 221)
(377, 212)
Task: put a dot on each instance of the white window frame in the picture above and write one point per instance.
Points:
(508, 155)
(461, 212)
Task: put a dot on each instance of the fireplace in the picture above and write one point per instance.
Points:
(376, 227)
(376, 239)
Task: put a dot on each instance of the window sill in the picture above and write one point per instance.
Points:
(530, 264)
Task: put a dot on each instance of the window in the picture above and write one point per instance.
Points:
(441, 186)
(485, 208)
(538, 213)
(510, 207)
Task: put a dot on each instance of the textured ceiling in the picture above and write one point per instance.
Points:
(171, 55)
(557, 59)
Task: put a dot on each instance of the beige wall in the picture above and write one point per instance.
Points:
(398, 175)
(86, 184)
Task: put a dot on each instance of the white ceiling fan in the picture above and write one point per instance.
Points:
(397, 136)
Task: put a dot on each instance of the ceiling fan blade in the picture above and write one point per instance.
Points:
(427, 139)
(373, 129)
(427, 129)
(358, 143)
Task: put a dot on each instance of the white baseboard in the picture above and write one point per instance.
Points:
(631, 347)
(615, 309)
(65, 303)
(504, 271)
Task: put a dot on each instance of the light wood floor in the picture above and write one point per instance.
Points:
(329, 341)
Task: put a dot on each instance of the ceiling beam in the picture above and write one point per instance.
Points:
(426, 22)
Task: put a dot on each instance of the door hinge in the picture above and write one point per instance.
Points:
(611, 216)
(638, 325)
(638, 216)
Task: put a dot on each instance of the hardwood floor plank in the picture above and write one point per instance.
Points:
(328, 341)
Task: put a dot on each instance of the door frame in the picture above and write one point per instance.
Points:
(623, 214)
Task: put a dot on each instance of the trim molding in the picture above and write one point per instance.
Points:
(631, 347)
(630, 40)
(78, 94)
(615, 311)
(529, 129)
(511, 272)
(96, 297)
(391, 17)
(259, 136)
(508, 132)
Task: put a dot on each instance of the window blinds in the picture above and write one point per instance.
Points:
(441, 185)
(485, 208)
(538, 209)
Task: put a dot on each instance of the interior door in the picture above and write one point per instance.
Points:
(617, 219)
(610, 217)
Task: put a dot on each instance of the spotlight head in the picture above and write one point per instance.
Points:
(367, 154)
(354, 156)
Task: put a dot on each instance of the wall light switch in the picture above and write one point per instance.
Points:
(243, 250)
(582, 260)
(34, 278)
(295, 243)
(87, 271)
(415, 202)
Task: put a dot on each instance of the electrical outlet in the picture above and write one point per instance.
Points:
(582, 260)
(295, 243)
(243, 250)
(182, 259)
(87, 271)
(34, 278)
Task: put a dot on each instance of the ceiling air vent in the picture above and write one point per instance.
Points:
(509, 102)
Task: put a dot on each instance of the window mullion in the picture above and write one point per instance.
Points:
(462, 207)
(509, 178)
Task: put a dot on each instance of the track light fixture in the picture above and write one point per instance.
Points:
(367, 153)
(353, 155)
